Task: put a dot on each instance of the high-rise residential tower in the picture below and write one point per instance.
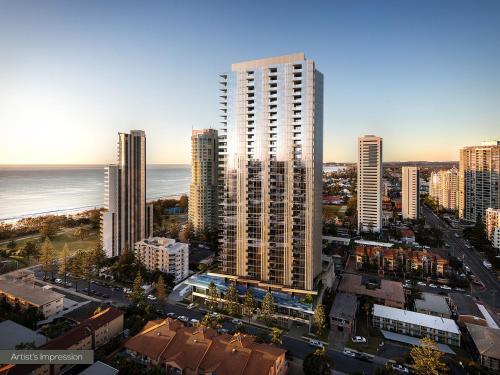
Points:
(369, 183)
(271, 147)
(443, 188)
(410, 193)
(127, 218)
(203, 189)
(492, 224)
(479, 181)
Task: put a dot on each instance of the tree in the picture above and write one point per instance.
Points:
(427, 359)
(29, 250)
(47, 258)
(276, 334)
(249, 304)
(188, 231)
(64, 262)
(210, 321)
(87, 268)
(25, 346)
(232, 300)
(183, 202)
(11, 245)
(174, 228)
(160, 289)
(268, 307)
(81, 232)
(75, 266)
(98, 256)
(317, 363)
(49, 228)
(137, 294)
(212, 296)
(319, 320)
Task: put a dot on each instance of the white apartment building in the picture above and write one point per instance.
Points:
(369, 183)
(410, 193)
(203, 188)
(270, 168)
(493, 226)
(479, 182)
(416, 324)
(127, 217)
(165, 255)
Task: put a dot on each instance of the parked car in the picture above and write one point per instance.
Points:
(183, 318)
(358, 339)
(221, 331)
(421, 283)
(446, 287)
(236, 321)
(432, 285)
(127, 290)
(400, 368)
(192, 305)
(68, 284)
(193, 321)
(151, 297)
(171, 315)
(58, 281)
(316, 343)
(348, 353)
(364, 357)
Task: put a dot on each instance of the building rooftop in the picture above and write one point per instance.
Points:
(28, 292)
(486, 339)
(434, 303)
(163, 243)
(13, 334)
(99, 368)
(275, 60)
(465, 305)
(374, 243)
(344, 306)
(411, 317)
(280, 298)
(200, 348)
(382, 289)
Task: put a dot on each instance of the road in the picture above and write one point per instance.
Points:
(470, 257)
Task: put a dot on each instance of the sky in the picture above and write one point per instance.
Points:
(424, 75)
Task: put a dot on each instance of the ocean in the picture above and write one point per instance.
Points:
(35, 190)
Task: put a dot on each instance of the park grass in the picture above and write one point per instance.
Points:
(66, 236)
(332, 211)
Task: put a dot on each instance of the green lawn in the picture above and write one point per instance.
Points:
(332, 211)
(66, 236)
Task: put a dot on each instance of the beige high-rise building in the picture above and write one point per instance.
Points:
(369, 183)
(479, 180)
(271, 148)
(492, 222)
(127, 218)
(203, 188)
(443, 187)
(410, 193)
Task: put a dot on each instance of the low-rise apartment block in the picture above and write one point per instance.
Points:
(343, 312)
(387, 292)
(27, 295)
(433, 304)
(416, 324)
(400, 260)
(486, 342)
(201, 350)
(165, 255)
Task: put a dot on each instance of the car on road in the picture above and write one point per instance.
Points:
(171, 315)
(105, 295)
(236, 322)
(221, 331)
(421, 283)
(68, 284)
(191, 306)
(193, 321)
(358, 339)
(487, 264)
(400, 368)
(58, 281)
(151, 297)
(432, 285)
(183, 318)
(459, 289)
(446, 287)
(348, 353)
(364, 357)
(316, 343)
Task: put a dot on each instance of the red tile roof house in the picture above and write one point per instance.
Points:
(407, 236)
(200, 350)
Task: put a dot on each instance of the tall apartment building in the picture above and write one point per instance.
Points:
(369, 183)
(270, 168)
(410, 193)
(479, 182)
(444, 189)
(493, 225)
(127, 218)
(203, 189)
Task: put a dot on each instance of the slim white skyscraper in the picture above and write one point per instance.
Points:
(271, 148)
(127, 218)
(410, 193)
(369, 183)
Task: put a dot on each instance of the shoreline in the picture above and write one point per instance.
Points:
(75, 210)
